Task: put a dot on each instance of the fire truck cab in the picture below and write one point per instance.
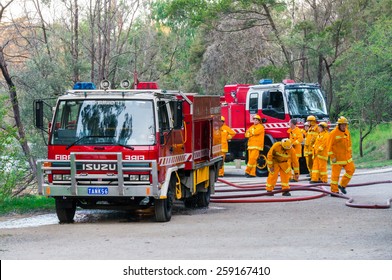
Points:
(276, 103)
(129, 149)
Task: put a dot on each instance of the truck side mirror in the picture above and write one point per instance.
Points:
(177, 114)
(39, 114)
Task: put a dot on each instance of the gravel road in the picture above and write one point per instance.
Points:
(317, 229)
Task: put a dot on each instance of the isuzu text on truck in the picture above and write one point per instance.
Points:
(276, 103)
(129, 148)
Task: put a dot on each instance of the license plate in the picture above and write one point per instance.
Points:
(98, 190)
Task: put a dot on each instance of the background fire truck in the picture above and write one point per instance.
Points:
(127, 149)
(276, 103)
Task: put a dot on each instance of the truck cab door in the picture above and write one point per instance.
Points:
(164, 123)
(273, 105)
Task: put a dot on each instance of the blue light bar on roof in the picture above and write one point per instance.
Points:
(265, 81)
(84, 85)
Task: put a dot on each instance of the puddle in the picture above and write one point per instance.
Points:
(100, 216)
(34, 221)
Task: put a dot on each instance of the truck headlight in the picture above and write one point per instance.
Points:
(133, 177)
(57, 177)
(144, 177)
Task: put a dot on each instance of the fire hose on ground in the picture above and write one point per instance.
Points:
(255, 196)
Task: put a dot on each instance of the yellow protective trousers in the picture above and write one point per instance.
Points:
(222, 169)
(319, 170)
(284, 170)
(309, 162)
(336, 168)
(253, 155)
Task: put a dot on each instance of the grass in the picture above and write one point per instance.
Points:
(26, 204)
(374, 146)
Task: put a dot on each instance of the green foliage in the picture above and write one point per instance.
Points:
(277, 74)
(12, 164)
(375, 146)
(26, 204)
(365, 92)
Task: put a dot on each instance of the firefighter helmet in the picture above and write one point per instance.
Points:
(311, 118)
(286, 144)
(342, 120)
(257, 117)
(222, 118)
(323, 125)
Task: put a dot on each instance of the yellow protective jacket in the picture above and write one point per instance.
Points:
(311, 136)
(339, 146)
(226, 134)
(278, 155)
(320, 146)
(296, 138)
(255, 135)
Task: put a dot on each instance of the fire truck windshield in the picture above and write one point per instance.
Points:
(303, 102)
(104, 122)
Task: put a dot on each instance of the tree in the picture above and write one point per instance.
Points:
(366, 89)
(20, 134)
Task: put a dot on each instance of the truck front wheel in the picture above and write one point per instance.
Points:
(164, 207)
(261, 168)
(65, 210)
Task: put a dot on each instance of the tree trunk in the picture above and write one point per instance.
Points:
(75, 44)
(15, 107)
(362, 137)
(286, 53)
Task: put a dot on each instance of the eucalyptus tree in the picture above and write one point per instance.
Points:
(365, 92)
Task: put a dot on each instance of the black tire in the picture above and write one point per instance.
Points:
(190, 202)
(261, 169)
(164, 207)
(65, 210)
(203, 198)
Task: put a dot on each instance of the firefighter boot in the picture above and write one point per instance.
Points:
(342, 189)
(269, 193)
(286, 193)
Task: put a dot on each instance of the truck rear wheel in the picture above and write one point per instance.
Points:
(65, 210)
(190, 202)
(164, 207)
(203, 198)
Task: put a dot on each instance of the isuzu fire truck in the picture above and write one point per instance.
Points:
(276, 103)
(129, 148)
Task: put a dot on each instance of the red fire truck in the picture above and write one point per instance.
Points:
(129, 148)
(276, 103)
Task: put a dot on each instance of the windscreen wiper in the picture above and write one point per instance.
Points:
(117, 143)
(125, 146)
(80, 139)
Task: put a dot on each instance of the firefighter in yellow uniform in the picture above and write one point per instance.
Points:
(278, 162)
(340, 153)
(311, 136)
(305, 130)
(296, 138)
(255, 135)
(320, 155)
(226, 134)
